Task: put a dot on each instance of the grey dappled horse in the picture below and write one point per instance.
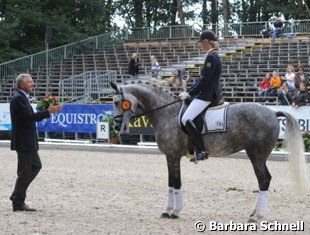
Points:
(250, 127)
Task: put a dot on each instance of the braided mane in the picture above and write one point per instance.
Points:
(152, 86)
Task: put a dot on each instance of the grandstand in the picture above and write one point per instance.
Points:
(80, 72)
(245, 62)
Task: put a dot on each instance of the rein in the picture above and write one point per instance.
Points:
(150, 111)
(160, 107)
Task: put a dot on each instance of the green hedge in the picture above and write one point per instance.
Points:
(306, 137)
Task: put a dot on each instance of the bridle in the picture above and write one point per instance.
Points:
(128, 113)
(155, 109)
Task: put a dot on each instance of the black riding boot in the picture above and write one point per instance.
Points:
(191, 129)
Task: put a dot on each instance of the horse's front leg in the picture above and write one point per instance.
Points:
(174, 194)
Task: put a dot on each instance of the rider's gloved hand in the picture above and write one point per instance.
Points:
(184, 95)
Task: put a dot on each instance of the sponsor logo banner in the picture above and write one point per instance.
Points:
(75, 118)
(301, 114)
(141, 126)
(79, 118)
(5, 117)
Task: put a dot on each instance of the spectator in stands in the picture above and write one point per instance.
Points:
(133, 67)
(275, 83)
(284, 95)
(301, 76)
(178, 81)
(186, 79)
(24, 139)
(205, 90)
(289, 77)
(155, 67)
(277, 31)
(173, 81)
(302, 96)
(263, 90)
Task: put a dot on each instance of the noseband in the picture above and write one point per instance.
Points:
(128, 113)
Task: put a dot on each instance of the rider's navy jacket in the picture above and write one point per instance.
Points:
(208, 86)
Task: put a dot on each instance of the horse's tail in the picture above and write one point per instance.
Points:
(294, 145)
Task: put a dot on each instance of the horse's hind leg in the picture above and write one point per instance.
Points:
(264, 178)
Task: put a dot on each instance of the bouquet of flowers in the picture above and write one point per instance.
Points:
(46, 101)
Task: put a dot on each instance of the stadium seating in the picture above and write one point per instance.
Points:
(245, 62)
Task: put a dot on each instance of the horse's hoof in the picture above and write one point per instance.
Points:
(173, 216)
(253, 213)
(255, 219)
(193, 160)
(252, 220)
(165, 216)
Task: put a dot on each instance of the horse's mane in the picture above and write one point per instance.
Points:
(154, 87)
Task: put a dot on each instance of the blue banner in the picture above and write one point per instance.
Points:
(77, 118)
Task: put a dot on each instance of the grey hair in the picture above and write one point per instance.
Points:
(20, 78)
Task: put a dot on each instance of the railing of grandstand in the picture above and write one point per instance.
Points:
(241, 29)
(27, 63)
(166, 32)
(99, 86)
(74, 89)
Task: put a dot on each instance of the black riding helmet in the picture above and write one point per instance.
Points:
(207, 34)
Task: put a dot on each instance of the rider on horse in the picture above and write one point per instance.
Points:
(204, 91)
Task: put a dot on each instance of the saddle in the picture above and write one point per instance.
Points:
(199, 120)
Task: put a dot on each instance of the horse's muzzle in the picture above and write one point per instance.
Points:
(117, 124)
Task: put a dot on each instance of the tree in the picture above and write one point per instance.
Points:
(226, 16)
(307, 3)
(174, 10)
(214, 14)
(23, 23)
(180, 10)
(204, 12)
(138, 13)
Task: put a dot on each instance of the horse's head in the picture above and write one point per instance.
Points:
(125, 105)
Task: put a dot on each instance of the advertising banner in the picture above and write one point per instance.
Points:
(75, 118)
(141, 126)
(301, 114)
(5, 117)
(79, 118)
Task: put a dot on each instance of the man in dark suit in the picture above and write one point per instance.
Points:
(24, 139)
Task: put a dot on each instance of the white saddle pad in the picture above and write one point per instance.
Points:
(215, 120)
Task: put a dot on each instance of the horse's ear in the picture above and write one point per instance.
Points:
(114, 86)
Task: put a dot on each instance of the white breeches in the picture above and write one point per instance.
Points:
(194, 109)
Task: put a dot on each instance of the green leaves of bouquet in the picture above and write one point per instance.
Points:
(108, 117)
(45, 103)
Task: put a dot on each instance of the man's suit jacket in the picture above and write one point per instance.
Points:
(23, 118)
